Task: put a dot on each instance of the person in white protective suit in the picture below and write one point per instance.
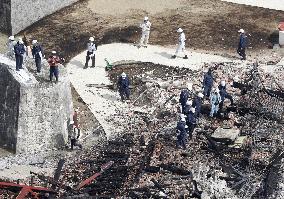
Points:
(146, 27)
(181, 44)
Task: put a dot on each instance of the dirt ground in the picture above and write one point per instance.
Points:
(209, 24)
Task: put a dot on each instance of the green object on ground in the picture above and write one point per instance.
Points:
(108, 65)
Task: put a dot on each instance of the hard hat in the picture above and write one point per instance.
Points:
(53, 52)
(192, 110)
(185, 126)
(123, 74)
(236, 78)
(77, 109)
(182, 116)
(12, 38)
(146, 18)
(217, 90)
(91, 39)
(182, 119)
(71, 122)
(223, 83)
(34, 41)
(241, 30)
(200, 95)
(189, 86)
(179, 30)
(189, 102)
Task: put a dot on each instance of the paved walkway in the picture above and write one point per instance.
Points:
(105, 103)
(271, 4)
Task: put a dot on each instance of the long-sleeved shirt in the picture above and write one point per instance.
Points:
(208, 80)
(243, 41)
(123, 82)
(181, 38)
(37, 51)
(215, 98)
(19, 49)
(184, 95)
(191, 118)
(53, 61)
(145, 26)
(181, 128)
(91, 47)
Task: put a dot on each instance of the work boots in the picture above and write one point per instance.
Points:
(185, 57)
(174, 56)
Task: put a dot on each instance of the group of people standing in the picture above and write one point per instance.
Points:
(191, 110)
(19, 49)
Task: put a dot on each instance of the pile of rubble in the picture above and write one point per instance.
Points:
(143, 161)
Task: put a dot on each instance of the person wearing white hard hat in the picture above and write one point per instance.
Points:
(91, 53)
(20, 51)
(10, 45)
(242, 44)
(74, 134)
(224, 95)
(37, 53)
(191, 121)
(181, 133)
(215, 100)
(123, 87)
(184, 96)
(197, 102)
(146, 27)
(181, 44)
(54, 61)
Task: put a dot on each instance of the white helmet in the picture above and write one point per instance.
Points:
(91, 39)
(182, 116)
(236, 79)
(188, 102)
(34, 42)
(192, 110)
(200, 95)
(146, 18)
(223, 83)
(12, 38)
(189, 86)
(241, 30)
(71, 122)
(53, 52)
(179, 30)
(182, 119)
(217, 90)
(123, 74)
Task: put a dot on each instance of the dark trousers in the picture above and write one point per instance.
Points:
(88, 58)
(181, 141)
(19, 62)
(207, 90)
(124, 93)
(38, 64)
(242, 53)
(53, 71)
(191, 128)
(227, 96)
(75, 143)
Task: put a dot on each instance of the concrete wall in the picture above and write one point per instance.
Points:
(9, 108)
(16, 15)
(5, 16)
(36, 113)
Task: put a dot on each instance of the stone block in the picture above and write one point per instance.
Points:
(34, 112)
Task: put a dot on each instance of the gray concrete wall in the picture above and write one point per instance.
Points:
(26, 12)
(36, 112)
(5, 16)
(9, 108)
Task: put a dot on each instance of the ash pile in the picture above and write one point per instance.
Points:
(143, 161)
